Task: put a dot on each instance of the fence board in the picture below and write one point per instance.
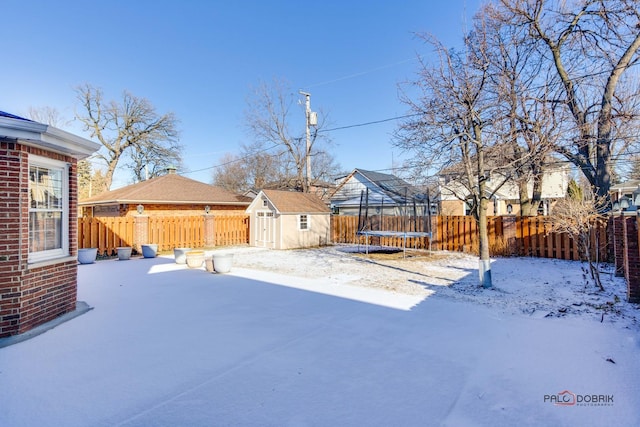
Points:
(108, 233)
(533, 236)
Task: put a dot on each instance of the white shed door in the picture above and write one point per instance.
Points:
(265, 234)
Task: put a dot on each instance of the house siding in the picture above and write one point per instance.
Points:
(317, 234)
(31, 294)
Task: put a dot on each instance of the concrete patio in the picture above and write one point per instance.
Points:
(168, 346)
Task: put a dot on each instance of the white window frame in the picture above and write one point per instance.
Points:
(307, 222)
(63, 251)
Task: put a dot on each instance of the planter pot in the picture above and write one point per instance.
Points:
(180, 254)
(87, 255)
(222, 262)
(150, 250)
(208, 264)
(195, 259)
(124, 253)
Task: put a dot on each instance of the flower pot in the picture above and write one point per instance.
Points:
(149, 250)
(87, 255)
(208, 264)
(222, 262)
(180, 254)
(195, 259)
(124, 253)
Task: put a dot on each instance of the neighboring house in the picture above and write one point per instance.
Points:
(169, 194)
(38, 224)
(506, 200)
(288, 220)
(627, 194)
(319, 188)
(387, 194)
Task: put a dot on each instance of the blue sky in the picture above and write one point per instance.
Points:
(199, 59)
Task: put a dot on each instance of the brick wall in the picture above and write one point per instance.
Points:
(30, 295)
(616, 227)
(632, 259)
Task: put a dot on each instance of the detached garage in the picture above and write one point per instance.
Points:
(288, 220)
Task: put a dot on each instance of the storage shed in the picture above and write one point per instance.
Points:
(38, 244)
(288, 220)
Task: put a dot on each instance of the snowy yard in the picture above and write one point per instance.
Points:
(327, 337)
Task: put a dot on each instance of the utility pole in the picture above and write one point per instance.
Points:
(311, 120)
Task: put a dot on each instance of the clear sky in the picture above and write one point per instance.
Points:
(199, 59)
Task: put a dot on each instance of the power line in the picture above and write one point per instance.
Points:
(370, 123)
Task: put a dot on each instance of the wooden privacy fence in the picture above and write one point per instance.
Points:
(508, 236)
(106, 233)
(231, 230)
(176, 232)
(109, 233)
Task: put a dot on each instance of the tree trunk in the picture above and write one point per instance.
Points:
(484, 261)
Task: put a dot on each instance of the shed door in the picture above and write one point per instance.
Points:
(265, 230)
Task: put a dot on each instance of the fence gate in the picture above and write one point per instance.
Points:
(265, 231)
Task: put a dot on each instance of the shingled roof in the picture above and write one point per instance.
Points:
(296, 202)
(170, 189)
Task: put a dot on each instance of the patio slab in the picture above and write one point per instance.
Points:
(168, 345)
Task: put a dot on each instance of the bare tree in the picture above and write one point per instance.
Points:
(451, 116)
(522, 119)
(578, 217)
(133, 126)
(270, 120)
(589, 44)
(48, 115)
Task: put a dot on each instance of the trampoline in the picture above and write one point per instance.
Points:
(416, 221)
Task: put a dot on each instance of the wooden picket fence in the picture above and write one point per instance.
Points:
(105, 233)
(231, 230)
(532, 236)
(508, 236)
(176, 232)
(109, 233)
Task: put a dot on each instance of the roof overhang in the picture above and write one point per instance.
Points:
(39, 135)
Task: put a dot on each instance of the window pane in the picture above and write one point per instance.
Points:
(45, 231)
(45, 188)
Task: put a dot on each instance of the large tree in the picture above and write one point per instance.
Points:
(589, 45)
(447, 130)
(132, 126)
(278, 129)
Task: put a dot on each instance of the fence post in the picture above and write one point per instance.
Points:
(140, 231)
(209, 231)
(632, 258)
(618, 244)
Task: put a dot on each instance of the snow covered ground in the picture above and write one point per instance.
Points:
(325, 337)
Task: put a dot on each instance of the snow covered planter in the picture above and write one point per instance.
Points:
(222, 262)
(180, 254)
(87, 255)
(195, 259)
(124, 253)
(149, 250)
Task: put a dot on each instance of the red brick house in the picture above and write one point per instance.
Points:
(38, 196)
(169, 194)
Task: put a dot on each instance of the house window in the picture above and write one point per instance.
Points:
(48, 209)
(303, 222)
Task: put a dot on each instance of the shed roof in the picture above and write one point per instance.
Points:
(296, 202)
(170, 188)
